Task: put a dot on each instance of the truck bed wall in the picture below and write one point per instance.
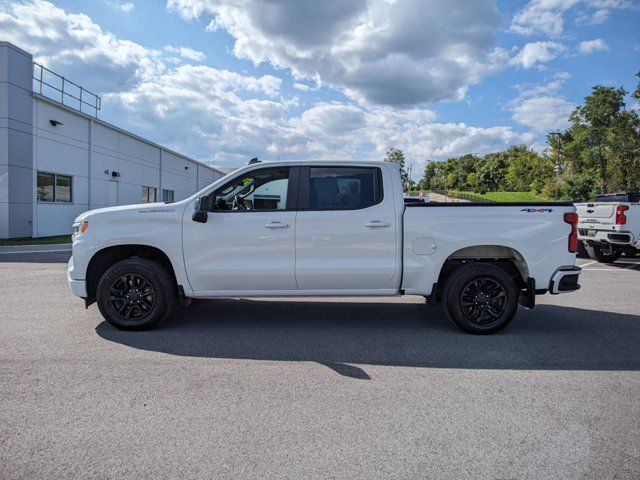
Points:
(537, 232)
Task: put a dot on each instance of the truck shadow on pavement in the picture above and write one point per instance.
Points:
(340, 334)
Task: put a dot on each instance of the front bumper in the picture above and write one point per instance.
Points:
(78, 287)
(564, 280)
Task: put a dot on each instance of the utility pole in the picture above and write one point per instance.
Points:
(557, 167)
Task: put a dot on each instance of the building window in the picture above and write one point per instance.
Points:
(53, 187)
(167, 195)
(148, 194)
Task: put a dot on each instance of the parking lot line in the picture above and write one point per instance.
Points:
(588, 263)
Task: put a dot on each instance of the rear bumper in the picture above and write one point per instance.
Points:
(613, 237)
(564, 280)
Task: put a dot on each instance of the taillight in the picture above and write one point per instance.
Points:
(572, 219)
(621, 218)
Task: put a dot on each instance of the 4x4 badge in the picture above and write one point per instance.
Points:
(537, 210)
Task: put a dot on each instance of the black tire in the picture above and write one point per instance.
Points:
(630, 252)
(582, 251)
(136, 294)
(603, 252)
(480, 298)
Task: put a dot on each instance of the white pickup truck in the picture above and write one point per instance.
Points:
(610, 226)
(321, 229)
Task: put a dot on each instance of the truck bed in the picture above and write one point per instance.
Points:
(534, 234)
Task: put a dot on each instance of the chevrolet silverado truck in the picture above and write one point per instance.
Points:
(321, 229)
(610, 226)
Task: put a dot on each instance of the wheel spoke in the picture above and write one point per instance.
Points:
(132, 296)
(483, 300)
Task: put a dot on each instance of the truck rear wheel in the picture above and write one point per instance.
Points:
(582, 251)
(480, 298)
(603, 252)
(136, 294)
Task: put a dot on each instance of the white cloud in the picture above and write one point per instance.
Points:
(74, 44)
(402, 52)
(590, 46)
(165, 95)
(536, 53)
(543, 113)
(303, 87)
(542, 107)
(547, 16)
(126, 7)
(187, 53)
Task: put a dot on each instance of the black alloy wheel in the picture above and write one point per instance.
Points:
(483, 300)
(480, 297)
(132, 296)
(136, 294)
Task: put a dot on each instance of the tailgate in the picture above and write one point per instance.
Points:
(597, 213)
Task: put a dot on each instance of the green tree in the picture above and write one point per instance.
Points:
(396, 155)
(623, 152)
(492, 170)
(579, 187)
(472, 181)
(525, 166)
(430, 174)
(592, 122)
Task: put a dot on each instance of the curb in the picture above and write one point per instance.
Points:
(51, 248)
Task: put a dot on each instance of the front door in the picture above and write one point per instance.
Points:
(346, 231)
(247, 244)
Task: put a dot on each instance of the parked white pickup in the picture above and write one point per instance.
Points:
(322, 228)
(610, 226)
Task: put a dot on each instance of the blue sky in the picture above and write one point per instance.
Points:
(232, 79)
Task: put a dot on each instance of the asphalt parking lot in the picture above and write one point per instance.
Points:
(318, 388)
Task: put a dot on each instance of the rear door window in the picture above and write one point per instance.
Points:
(343, 188)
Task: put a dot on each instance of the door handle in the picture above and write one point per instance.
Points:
(377, 224)
(276, 225)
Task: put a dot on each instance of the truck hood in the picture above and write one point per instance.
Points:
(157, 207)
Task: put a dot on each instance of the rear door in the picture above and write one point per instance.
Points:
(346, 230)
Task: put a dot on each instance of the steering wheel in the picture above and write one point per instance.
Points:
(238, 203)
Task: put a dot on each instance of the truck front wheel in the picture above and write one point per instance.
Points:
(480, 298)
(135, 294)
(603, 252)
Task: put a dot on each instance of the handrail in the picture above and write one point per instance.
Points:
(84, 97)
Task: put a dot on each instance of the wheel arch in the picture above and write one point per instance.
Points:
(108, 256)
(505, 257)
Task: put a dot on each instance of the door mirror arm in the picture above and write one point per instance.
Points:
(202, 209)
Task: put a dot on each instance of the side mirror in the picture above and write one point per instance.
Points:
(203, 206)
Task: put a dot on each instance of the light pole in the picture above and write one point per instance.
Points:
(558, 136)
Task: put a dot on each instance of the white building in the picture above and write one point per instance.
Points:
(57, 159)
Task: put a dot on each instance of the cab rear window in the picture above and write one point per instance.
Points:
(619, 197)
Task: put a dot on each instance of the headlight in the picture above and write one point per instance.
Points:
(79, 228)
